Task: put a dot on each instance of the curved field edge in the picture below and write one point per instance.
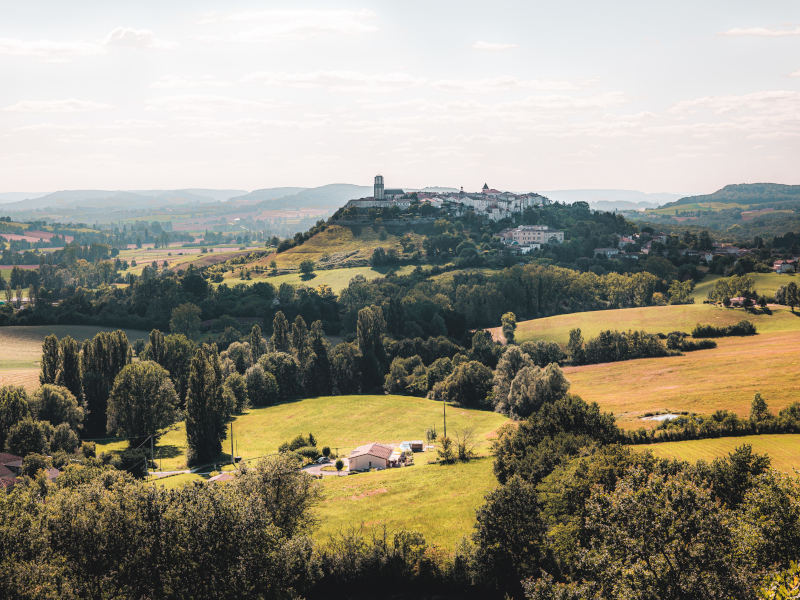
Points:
(783, 449)
(340, 422)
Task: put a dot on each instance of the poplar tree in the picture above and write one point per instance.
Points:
(280, 333)
(69, 369)
(258, 345)
(102, 358)
(49, 360)
(370, 328)
(205, 407)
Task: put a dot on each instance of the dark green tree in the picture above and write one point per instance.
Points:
(142, 401)
(262, 388)
(102, 357)
(14, 407)
(185, 319)
(237, 386)
(29, 436)
(50, 360)
(370, 329)
(57, 405)
(280, 333)
(205, 407)
(69, 368)
(258, 345)
(509, 326)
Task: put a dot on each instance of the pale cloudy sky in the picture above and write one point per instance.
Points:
(681, 96)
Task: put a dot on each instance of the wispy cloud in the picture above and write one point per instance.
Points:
(177, 81)
(337, 80)
(48, 50)
(56, 106)
(57, 51)
(200, 103)
(136, 38)
(493, 46)
(763, 31)
(294, 23)
(496, 84)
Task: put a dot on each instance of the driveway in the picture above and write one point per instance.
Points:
(316, 470)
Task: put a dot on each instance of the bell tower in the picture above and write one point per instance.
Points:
(377, 193)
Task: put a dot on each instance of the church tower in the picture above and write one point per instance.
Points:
(377, 193)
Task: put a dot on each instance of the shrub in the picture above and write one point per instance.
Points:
(710, 331)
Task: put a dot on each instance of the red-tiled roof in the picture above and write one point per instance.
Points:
(373, 449)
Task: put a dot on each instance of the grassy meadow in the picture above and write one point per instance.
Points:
(783, 449)
(726, 377)
(342, 422)
(765, 283)
(21, 349)
(653, 319)
(436, 500)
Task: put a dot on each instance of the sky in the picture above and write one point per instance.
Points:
(679, 96)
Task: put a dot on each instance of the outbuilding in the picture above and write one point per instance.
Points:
(370, 456)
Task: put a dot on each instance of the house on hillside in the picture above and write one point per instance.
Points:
(784, 266)
(607, 252)
(370, 456)
(11, 467)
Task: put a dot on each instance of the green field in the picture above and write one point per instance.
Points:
(783, 449)
(695, 207)
(436, 500)
(21, 349)
(342, 422)
(765, 283)
(336, 279)
(653, 319)
(725, 377)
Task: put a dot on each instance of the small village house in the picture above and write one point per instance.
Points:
(370, 456)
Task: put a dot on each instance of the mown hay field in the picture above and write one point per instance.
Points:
(653, 319)
(21, 349)
(783, 449)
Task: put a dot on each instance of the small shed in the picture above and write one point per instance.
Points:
(370, 456)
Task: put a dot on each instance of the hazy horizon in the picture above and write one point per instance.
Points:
(525, 96)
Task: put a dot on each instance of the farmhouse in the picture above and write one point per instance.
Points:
(370, 456)
(784, 266)
(11, 467)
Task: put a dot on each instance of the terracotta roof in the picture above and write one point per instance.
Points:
(373, 449)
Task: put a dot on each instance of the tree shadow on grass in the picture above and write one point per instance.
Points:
(308, 276)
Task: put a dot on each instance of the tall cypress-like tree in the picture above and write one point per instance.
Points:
(319, 376)
(205, 407)
(370, 328)
(156, 348)
(258, 345)
(102, 358)
(69, 368)
(280, 333)
(49, 360)
(299, 338)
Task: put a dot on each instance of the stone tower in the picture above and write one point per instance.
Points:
(378, 190)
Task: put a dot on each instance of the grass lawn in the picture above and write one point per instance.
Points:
(436, 500)
(765, 283)
(342, 422)
(336, 279)
(726, 377)
(653, 319)
(783, 449)
(21, 349)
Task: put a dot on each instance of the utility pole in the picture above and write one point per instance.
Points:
(444, 415)
(233, 460)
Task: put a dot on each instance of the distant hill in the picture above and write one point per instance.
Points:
(17, 196)
(330, 196)
(746, 193)
(611, 200)
(131, 199)
(265, 194)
